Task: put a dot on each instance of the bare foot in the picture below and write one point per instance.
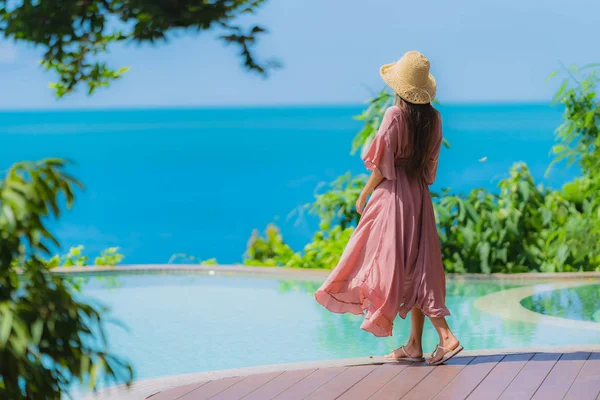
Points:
(409, 352)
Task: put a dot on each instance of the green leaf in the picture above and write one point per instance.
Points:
(590, 66)
(562, 254)
(589, 117)
(470, 209)
(85, 366)
(559, 94)
(36, 331)
(5, 325)
(524, 189)
(469, 236)
(9, 215)
(552, 75)
(121, 71)
(95, 370)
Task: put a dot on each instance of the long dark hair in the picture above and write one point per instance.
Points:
(422, 122)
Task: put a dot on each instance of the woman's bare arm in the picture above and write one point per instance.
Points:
(374, 181)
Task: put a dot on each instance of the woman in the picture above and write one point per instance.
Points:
(392, 264)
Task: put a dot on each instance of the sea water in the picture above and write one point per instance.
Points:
(198, 181)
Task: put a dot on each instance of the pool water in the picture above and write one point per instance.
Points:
(183, 323)
(580, 303)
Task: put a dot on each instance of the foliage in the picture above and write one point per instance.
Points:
(512, 231)
(325, 249)
(75, 258)
(522, 227)
(323, 252)
(579, 142)
(182, 258)
(579, 135)
(371, 118)
(109, 257)
(269, 251)
(335, 209)
(336, 205)
(527, 227)
(47, 337)
(75, 34)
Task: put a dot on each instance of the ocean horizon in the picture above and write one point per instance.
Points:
(198, 180)
(150, 107)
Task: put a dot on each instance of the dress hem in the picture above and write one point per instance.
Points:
(372, 322)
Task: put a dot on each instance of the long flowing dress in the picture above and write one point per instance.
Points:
(393, 261)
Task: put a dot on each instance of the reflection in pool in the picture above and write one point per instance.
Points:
(580, 303)
(183, 323)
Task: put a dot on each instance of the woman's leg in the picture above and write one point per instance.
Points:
(415, 341)
(447, 338)
(414, 346)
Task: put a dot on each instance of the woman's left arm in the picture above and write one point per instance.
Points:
(374, 181)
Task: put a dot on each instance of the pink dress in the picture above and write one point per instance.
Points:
(393, 261)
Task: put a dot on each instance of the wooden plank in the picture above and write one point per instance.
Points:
(559, 380)
(245, 386)
(176, 392)
(374, 381)
(531, 377)
(211, 389)
(587, 383)
(500, 377)
(403, 382)
(438, 379)
(309, 384)
(468, 379)
(279, 384)
(341, 383)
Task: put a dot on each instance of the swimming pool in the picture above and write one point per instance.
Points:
(579, 303)
(191, 322)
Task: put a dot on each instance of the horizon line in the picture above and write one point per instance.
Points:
(471, 103)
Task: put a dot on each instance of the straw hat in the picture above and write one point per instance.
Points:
(410, 78)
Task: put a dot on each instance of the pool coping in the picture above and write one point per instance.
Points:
(306, 273)
(143, 388)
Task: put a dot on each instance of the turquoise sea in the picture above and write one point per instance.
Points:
(198, 181)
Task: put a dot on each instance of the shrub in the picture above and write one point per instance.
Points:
(47, 337)
(268, 251)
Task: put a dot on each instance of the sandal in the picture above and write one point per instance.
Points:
(407, 357)
(447, 356)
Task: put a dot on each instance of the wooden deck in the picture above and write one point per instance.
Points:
(543, 376)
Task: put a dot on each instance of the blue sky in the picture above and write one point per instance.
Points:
(481, 51)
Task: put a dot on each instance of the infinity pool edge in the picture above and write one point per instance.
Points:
(303, 273)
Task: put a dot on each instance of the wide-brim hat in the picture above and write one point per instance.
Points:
(409, 77)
